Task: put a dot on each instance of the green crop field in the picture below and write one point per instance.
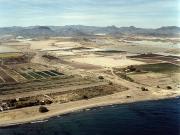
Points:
(9, 55)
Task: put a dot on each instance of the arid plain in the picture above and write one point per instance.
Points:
(66, 74)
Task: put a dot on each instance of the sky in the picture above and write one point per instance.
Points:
(139, 13)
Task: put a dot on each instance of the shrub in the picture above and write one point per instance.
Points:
(85, 97)
(169, 87)
(131, 68)
(43, 109)
(138, 70)
(44, 102)
(124, 76)
(101, 77)
(48, 101)
(144, 89)
(128, 96)
(110, 83)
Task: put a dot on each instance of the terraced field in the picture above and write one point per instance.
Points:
(1, 80)
(10, 55)
(44, 84)
(6, 77)
(13, 74)
(23, 78)
(150, 57)
(160, 75)
(160, 68)
(33, 83)
(20, 73)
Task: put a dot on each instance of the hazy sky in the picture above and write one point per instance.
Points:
(140, 13)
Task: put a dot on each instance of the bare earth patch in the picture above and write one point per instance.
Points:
(107, 62)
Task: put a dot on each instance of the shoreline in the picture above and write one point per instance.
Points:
(31, 114)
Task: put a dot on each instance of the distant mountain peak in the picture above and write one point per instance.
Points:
(132, 27)
(43, 27)
(112, 26)
(169, 27)
(81, 30)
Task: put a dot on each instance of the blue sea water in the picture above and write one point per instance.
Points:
(143, 118)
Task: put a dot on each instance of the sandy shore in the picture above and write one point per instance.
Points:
(30, 114)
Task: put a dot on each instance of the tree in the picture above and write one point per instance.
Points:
(144, 89)
(101, 77)
(43, 109)
(85, 97)
(169, 87)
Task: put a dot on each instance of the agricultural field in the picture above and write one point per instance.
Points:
(25, 72)
(29, 79)
(5, 77)
(157, 57)
(65, 70)
(10, 55)
(166, 68)
(160, 75)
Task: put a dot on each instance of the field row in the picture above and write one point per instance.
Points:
(61, 82)
(4, 77)
(41, 75)
(8, 75)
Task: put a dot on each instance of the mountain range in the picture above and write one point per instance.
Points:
(80, 30)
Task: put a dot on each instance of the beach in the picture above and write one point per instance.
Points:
(30, 114)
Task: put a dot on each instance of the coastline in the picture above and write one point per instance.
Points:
(31, 114)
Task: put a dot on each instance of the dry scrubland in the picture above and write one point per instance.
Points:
(68, 74)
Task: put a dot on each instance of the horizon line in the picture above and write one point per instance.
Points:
(89, 26)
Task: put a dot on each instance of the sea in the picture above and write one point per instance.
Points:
(160, 117)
